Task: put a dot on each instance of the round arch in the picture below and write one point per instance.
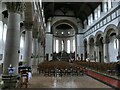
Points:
(98, 35)
(91, 48)
(85, 40)
(99, 54)
(110, 43)
(110, 29)
(64, 22)
(91, 37)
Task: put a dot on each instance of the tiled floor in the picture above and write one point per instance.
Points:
(39, 81)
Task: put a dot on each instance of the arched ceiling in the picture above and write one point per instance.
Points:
(63, 26)
(80, 9)
(63, 30)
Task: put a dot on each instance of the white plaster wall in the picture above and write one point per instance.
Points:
(80, 28)
(80, 45)
(113, 51)
(49, 45)
(48, 27)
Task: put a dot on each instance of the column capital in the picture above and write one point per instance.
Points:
(50, 19)
(106, 40)
(118, 36)
(16, 7)
(88, 43)
(96, 43)
(35, 34)
(28, 24)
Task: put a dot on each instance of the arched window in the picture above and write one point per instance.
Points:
(1, 30)
(21, 42)
(105, 6)
(116, 44)
(1, 39)
(68, 46)
(109, 4)
(4, 33)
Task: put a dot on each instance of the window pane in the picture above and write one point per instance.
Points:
(98, 11)
(21, 42)
(1, 30)
(4, 33)
(109, 4)
(95, 13)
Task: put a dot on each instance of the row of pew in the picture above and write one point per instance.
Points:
(107, 68)
(59, 68)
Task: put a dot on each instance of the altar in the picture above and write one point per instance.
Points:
(63, 55)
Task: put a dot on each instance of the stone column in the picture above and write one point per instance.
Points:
(65, 45)
(88, 50)
(49, 25)
(38, 52)
(118, 37)
(54, 44)
(12, 45)
(35, 48)
(71, 45)
(76, 42)
(97, 51)
(60, 45)
(49, 45)
(28, 43)
(42, 48)
(106, 50)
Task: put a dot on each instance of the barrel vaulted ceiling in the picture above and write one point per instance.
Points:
(80, 10)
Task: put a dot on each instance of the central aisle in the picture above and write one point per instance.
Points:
(39, 81)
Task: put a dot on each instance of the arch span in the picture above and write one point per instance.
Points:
(70, 23)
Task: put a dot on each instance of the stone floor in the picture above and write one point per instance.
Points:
(40, 81)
